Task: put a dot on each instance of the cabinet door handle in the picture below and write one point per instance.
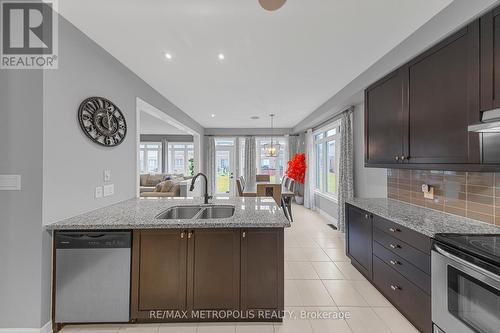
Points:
(396, 158)
(394, 246)
(190, 234)
(394, 230)
(394, 262)
(244, 234)
(403, 157)
(182, 234)
(395, 288)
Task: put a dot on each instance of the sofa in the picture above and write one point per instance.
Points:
(160, 185)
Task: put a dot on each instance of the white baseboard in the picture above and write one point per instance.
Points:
(328, 217)
(47, 328)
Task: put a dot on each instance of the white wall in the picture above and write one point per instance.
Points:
(368, 182)
(21, 236)
(73, 165)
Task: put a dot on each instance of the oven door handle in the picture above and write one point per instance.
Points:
(467, 264)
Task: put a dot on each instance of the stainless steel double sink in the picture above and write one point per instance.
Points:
(197, 212)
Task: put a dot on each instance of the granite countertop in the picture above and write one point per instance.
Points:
(140, 213)
(424, 220)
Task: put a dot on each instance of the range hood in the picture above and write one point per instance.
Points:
(490, 123)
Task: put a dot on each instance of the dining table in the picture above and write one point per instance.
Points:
(263, 189)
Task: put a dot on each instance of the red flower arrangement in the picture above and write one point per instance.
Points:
(297, 168)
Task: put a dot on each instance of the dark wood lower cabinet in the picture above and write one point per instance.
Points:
(262, 269)
(214, 269)
(395, 259)
(359, 236)
(408, 298)
(178, 274)
(158, 272)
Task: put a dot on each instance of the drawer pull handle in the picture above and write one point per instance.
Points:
(395, 262)
(182, 234)
(190, 234)
(394, 230)
(244, 234)
(394, 246)
(395, 288)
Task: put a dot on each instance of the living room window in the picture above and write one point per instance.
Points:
(180, 158)
(150, 157)
(326, 151)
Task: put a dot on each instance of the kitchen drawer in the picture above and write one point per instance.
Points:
(402, 249)
(407, 297)
(415, 239)
(409, 271)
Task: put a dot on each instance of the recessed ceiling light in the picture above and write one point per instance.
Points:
(221, 56)
(254, 117)
(168, 56)
(212, 115)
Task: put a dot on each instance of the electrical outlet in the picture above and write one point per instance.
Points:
(107, 175)
(98, 192)
(10, 182)
(109, 190)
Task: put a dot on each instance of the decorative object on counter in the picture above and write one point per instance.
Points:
(345, 182)
(102, 121)
(428, 191)
(297, 171)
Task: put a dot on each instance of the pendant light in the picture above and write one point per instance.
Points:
(273, 149)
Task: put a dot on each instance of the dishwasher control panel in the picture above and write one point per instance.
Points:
(94, 239)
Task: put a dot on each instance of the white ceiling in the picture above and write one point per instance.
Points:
(286, 62)
(152, 125)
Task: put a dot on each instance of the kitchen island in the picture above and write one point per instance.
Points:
(191, 262)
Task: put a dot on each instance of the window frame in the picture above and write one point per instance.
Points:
(170, 156)
(324, 140)
(144, 149)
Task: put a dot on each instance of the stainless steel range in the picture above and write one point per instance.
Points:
(466, 283)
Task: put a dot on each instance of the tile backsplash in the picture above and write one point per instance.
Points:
(472, 194)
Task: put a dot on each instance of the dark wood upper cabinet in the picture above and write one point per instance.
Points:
(158, 272)
(443, 99)
(262, 269)
(214, 269)
(384, 119)
(359, 239)
(417, 117)
(490, 60)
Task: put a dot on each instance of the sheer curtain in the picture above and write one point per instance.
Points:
(310, 180)
(210, 151)
(345, 189)
(250, 156)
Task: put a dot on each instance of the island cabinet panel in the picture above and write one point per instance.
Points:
(262, 269)
(443, 89)
(384, 121)
(214, 269)
(159, 272)
(359, 239)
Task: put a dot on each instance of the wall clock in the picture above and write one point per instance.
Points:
(102, 121)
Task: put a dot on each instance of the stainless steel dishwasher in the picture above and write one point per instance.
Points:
(92, 282)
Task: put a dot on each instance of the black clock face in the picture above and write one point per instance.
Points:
(102, 121)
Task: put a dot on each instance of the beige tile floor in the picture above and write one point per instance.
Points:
(318, 278)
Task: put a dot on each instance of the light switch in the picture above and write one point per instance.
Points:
(98, 192)
(107, 175)
(10, 182)
(109, 190)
